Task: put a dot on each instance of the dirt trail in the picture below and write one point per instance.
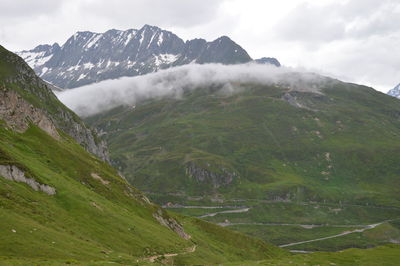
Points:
(201, 207)
(155, 257)
(227, 211)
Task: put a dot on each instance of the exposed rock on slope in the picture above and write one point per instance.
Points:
(171, 224)
(18, 114)
(25, 99)
(11, 172)
(202, 175)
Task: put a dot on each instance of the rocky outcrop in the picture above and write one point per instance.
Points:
(292, 100)
(99, 178)
(25, 99)
(86, 137)
(13, 173)
(204, 175)
(19, 114)
(171, 223)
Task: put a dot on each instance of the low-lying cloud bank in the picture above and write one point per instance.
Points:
(95, 98)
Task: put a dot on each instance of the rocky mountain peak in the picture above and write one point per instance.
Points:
(88, 57)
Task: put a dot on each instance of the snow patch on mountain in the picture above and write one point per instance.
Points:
(35, 59)
(89, 57)
(395, 92)
(165, 59)
(93, 40)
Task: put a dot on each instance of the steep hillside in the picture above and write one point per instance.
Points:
(332, 142)
(306, 158)
(26, 98)
(88, 57)
(60, 204)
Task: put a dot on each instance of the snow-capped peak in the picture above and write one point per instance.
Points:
(395, 92)
(88, 57)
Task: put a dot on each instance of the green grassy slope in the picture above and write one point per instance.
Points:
(88, 220)
(331, 162)
(340, 148)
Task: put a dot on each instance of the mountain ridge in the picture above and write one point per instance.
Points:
(87, 57)
(40, 104)
(240, 145)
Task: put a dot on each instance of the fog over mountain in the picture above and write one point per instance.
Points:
(105, 95)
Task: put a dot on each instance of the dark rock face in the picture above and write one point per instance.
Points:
(203, 175)
(88, 57)
(268, 60)
(395, 92)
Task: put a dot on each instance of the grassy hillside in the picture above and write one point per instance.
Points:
(91, 215)
(339, 147)
(326, 155)
(88, 219)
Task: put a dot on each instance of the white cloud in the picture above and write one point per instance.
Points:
(105, 95)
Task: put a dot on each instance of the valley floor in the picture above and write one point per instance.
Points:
(304, 227)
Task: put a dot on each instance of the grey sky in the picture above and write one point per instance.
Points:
(354, 40)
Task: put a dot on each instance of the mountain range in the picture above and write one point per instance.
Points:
(88, 57)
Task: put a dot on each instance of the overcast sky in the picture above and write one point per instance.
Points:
(353, 40)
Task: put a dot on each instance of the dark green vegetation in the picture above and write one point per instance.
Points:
(95, 216)
(314, 151)
(340, 147)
